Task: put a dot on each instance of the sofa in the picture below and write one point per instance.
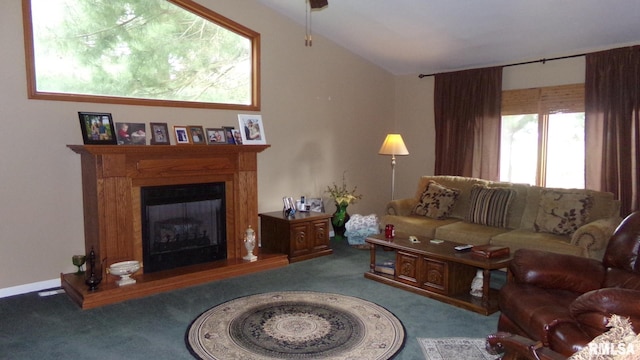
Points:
(564, 301)
(478, 212)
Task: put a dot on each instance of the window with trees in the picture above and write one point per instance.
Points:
(151, 52)
(542, 136)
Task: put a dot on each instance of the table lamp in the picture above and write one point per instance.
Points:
(393, 145)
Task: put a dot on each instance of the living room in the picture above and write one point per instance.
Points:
(323, 94)
(326, 112)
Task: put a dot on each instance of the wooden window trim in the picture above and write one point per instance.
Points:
(188, 5)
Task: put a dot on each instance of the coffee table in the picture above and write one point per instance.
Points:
(437, 271)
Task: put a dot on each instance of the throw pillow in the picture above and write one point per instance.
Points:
(620, 342)
(436, 201)
(490, 206)
(562, 212)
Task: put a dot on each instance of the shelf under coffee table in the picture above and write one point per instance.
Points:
(437, 271)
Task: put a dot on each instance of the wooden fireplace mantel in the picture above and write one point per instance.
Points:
(112, 176)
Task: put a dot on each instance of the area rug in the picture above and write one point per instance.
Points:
(455, 349)
(296, 325)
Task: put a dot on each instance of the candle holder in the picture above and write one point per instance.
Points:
(93, 279)
(79, 260)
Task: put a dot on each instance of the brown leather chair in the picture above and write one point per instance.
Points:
(565, 301)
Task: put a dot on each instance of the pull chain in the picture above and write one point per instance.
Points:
(308, 38)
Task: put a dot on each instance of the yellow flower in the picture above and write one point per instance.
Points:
(341, 195)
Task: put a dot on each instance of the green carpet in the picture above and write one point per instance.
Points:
(33, 327)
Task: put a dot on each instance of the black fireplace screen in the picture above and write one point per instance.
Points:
(183, 225)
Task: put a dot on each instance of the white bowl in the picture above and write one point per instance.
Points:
(124, 267)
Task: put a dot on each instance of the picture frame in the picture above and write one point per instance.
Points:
(251, 129)
(182, 135)
(196, 135)
(228, 133)
(315, 204)
(159, 134)
(216, 136)
(97, 128)
(131, 133)
(237, 136)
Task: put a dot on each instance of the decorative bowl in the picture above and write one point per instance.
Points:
(124, 269)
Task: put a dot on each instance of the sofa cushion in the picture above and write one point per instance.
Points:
(468, 233)
(562, 212)
(464, 184)
(436, 201)
(415, 224)
(526, 239)
(490, 206)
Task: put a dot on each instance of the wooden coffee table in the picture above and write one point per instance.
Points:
(437, 271)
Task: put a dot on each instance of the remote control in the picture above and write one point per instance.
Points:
(463, 247)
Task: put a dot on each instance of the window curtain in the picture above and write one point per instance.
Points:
(612, 124)
(467, 123)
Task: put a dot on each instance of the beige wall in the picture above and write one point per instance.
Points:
(325, 111)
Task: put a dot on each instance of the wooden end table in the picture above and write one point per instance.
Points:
(437, 271)
(302, 237)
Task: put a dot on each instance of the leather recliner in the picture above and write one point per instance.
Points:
(565, 301)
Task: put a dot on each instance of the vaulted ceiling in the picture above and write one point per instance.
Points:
(430, 36)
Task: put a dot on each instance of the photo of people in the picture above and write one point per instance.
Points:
(228, 133)
(97, 128)
(131, 133)
(216, 136)
(197, 135)
(251, 129)
(159, 134)
(181, 135)
(237, 136)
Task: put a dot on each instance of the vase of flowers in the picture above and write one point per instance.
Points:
(342, 197)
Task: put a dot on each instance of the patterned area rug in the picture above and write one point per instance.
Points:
(455, 349)
(296, 325)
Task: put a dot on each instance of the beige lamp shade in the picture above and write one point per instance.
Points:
(393, 145)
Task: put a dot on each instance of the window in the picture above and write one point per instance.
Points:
(152, 52)
(542, 136)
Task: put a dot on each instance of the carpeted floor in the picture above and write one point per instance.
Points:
(154, 327)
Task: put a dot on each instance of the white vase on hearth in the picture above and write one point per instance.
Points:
(250, 244)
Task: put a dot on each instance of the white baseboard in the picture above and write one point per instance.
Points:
(27, 288)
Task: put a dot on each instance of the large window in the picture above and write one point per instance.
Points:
(542, 136)
(151, 52)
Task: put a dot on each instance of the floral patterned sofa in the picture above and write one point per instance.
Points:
(476, 211)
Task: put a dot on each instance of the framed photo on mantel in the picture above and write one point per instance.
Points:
(97, 128)
(251, 129)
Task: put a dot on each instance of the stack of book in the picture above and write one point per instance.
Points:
(387, 267)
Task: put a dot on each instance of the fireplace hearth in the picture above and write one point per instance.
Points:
(115, 179)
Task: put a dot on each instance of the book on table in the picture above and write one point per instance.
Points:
(387, 267)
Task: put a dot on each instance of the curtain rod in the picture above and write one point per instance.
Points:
(524, 63)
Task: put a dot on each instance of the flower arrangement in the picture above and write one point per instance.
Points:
(341, 195)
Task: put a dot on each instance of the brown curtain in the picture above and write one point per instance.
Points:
(612, 135)
(467, 123)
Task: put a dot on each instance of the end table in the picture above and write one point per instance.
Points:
(304, 236)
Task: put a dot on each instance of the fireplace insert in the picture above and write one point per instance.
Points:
(183, 225)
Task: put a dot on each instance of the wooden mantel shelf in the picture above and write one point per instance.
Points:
(166, 149)
(112, 178)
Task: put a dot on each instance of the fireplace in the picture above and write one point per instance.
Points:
(116, 182)
(182, 225)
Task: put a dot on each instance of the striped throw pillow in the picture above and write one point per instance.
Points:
(490, 206)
